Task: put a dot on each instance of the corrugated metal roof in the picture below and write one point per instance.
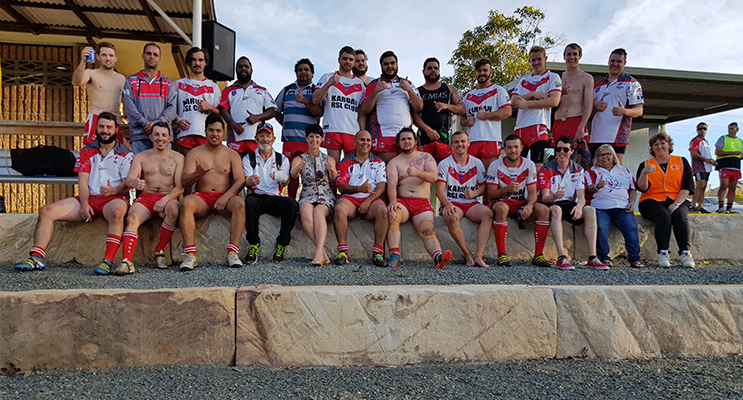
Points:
(53, 17)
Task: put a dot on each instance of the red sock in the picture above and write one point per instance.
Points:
(342, 247)
(377, 249)
(37, 251)
(128, 242)
(232, 248)
(500, 229)
(395, 250)
(112, 246)
(166, 232)
(540, 236)
(190, 249)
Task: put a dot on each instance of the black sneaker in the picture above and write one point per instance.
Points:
(252, 256)
(278, 255)
(540, 261)
(503, 261)
(341, 258)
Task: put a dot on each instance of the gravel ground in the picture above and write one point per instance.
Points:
(298, 272)
(667, 378)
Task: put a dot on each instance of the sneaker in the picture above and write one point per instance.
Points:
(637, 264)
(125, 268)
(731, 211)
(440, 261)
(31, 264)
(252, 256)
(686, 259)
(160, 260)
(564, 264)
(701, 210)
(664, 259)
(104, 268)
(278, 255)
(540, 261)
(378, 260)
(394, 261)
(191, 262)
(341, 258)
(720, 211)
(503, 261)
(595, 263)
(233, 260)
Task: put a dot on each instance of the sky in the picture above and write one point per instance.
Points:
(679, 34)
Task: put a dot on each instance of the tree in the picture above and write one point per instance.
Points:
(506, 40)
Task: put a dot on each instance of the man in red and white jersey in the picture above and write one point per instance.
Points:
(534, 96)
(616, 100)
(562, 184)
(244, 105)
(390, 100)
(362, 181)
(197, 97)
(340, 94)
(101, 169)
(487, 105)
(512, 188)
(460, 181)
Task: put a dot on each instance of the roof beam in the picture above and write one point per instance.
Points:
(153, 21)
(99, 10)
(112, 34)
(20, 19)
(83, 18)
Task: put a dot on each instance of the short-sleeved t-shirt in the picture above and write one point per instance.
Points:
(392, 109)
(551, 178)
(114, 167)
(607, 127)
(264, 169)
(341, 104)
(352, 172)
(238, 101)
(701, 146)
(548, 82)
(490, 99)
(501, 176)
(728, 162)
(458, 178)
(190, 93)
(296, 115)
(615, 193)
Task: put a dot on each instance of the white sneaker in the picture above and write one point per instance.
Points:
(160, 260)
(686, 259)
(233, 260)
(664, 259)
(190, 262)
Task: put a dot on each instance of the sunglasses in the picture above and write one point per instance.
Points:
(562, 149)
(702, 129)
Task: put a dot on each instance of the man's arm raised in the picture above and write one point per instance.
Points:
(81, 76)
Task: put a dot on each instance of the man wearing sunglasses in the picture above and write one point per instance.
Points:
(702, 165)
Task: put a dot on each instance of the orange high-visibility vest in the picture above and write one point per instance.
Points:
(666, 184)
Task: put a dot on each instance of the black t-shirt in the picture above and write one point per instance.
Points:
(438, 121)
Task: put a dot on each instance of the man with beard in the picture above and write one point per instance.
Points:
(389, 99)
(101, 169)
(157, 173)
(197, 98)
(440, 101)
(340, 94)
(512, 188)
(244, 105)
(574, 111)
(149, 97)
(217, 173)
(295, 112)
(487, 105)
(360, 67)
(410, 176)
(103, 86)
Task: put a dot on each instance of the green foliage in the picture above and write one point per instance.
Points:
(506, 40)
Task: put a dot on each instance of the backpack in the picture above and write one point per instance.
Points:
(43, 160)
(279, 160)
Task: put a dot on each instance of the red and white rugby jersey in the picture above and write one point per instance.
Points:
(607, 127)
(615, 194)
(114, 167)
(548, 82)
(490, 99)
(551, 178)
(458, 178)
(190, 93)
(501, 176)
(239, 101)
(352, 172)
(391, 110)
(341, 104)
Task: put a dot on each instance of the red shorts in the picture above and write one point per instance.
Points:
(91, 126)
(566, 127)
(148, 200)
(209, 198)
(339, 141)
(438, 150)
(415, 205)
(484, 149)
(730, 174)
(462, 206)
(357, 201)
(290, 150)
(532, 134)
(513, 205)
(98, 201)
(244, 147)
(385, 145)
(190, 141)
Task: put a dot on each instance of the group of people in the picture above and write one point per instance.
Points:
(375, 165)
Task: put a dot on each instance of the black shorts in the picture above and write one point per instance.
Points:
(537, 151)
(567, 206)
(701, 176)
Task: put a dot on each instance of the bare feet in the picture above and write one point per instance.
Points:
(469, 261)
(481, 263)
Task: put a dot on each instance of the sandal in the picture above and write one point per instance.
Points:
(638, 264)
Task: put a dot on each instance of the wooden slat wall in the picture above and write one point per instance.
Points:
(39, 103)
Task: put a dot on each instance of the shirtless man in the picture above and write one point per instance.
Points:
(574, 111)
(103, 86)
(217, 172)
(360, 67)
(157, 173)
(410, 176)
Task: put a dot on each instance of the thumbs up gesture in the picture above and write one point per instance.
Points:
(365, 187)
(560, 193)
(107, 189)
(601, 183)
(335, 78)
(619, 110)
